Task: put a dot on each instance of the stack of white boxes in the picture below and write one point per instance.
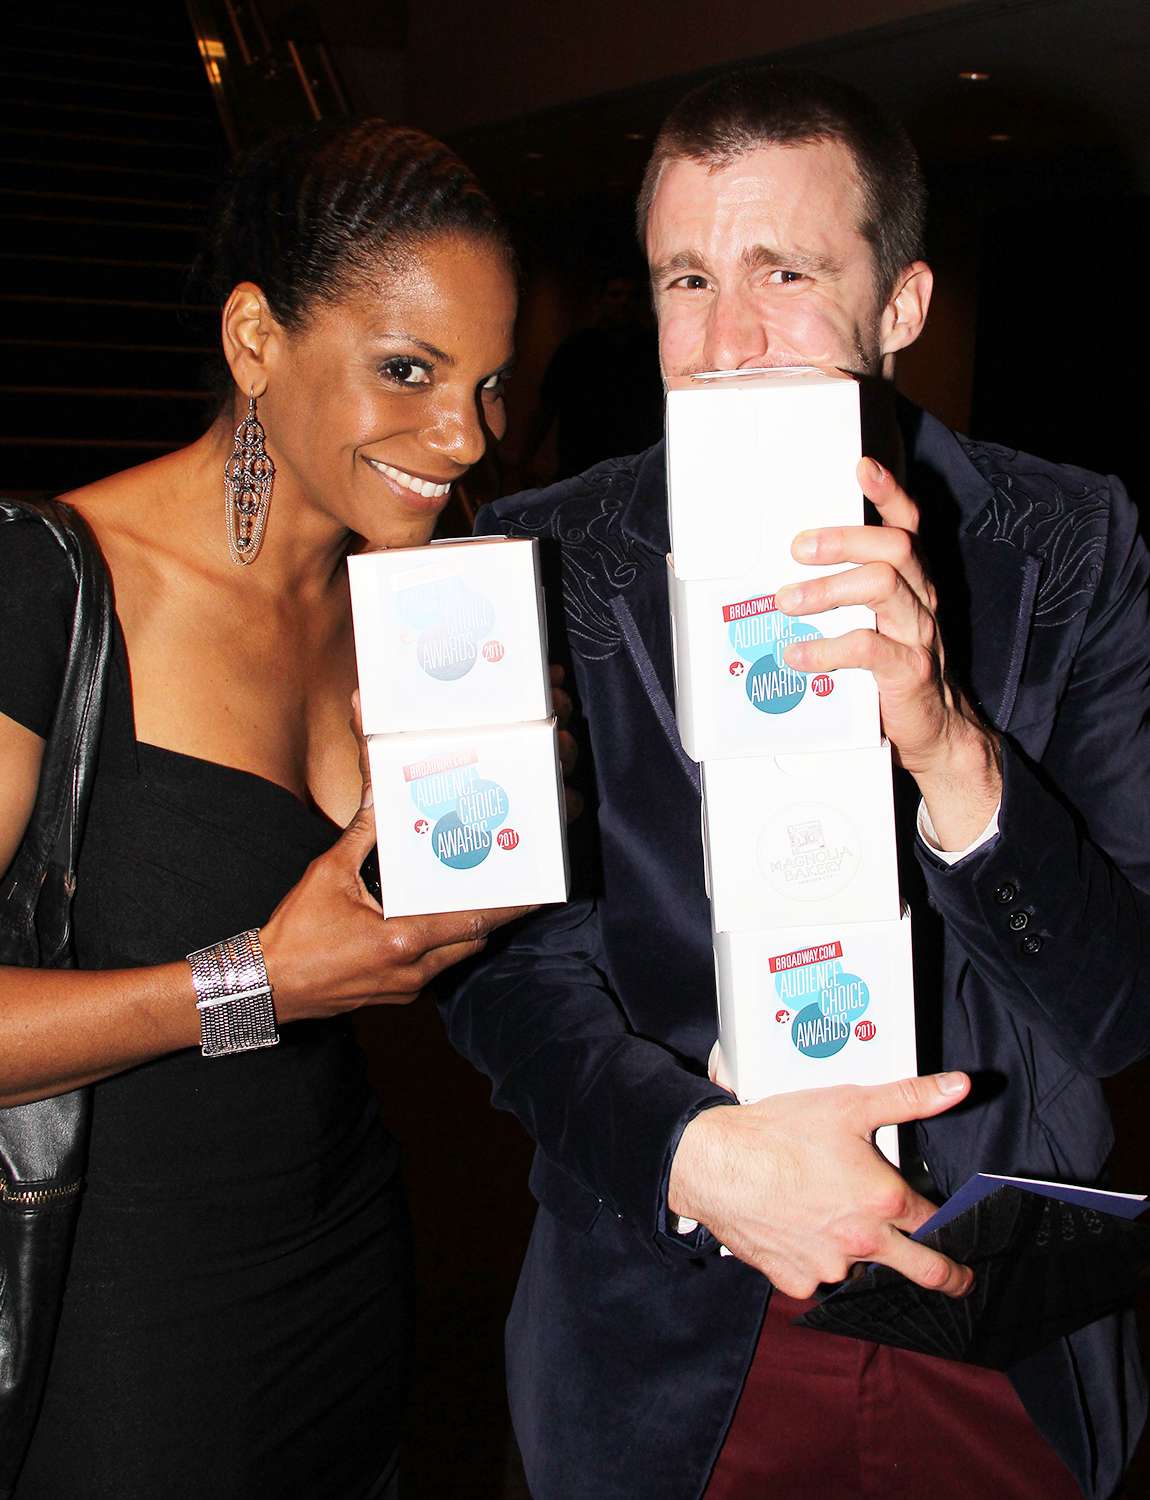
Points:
(812, 950)
(455, 699)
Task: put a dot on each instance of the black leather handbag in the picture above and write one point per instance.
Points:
(43, 1145)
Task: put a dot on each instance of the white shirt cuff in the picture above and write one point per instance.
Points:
(927, 834)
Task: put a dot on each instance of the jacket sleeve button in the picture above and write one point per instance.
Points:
(1031, 944)
(1005, 893)
(1019, 921)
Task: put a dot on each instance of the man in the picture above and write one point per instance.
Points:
(781, 216)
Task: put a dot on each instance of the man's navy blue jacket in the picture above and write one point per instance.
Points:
(627, 1346)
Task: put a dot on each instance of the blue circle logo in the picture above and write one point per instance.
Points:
(819, 1035)
(773, 687)
(845, 996)
(460, 846)
(462, 837)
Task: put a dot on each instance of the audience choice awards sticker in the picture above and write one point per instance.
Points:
(809, 851)
(459, 811)
(448, 623)
(822, 1004)
(759, 634)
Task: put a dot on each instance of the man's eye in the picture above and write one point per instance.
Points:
(407, 371)
(784, 278)
(692, 283)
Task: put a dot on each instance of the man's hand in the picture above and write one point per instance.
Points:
(934, 731)
(794, 1187)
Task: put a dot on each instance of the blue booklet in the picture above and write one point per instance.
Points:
(982, 1184)
(1048, 1258)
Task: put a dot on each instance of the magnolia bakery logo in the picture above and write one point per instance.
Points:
(809, 851)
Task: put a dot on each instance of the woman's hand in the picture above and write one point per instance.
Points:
(329, 946)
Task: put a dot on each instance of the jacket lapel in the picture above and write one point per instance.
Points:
(643, 612)
(1003, 585)
(987, 585)
(643, 617)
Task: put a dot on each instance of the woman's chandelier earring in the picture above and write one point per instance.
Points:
(248, 478)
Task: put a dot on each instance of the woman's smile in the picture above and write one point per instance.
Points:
(414, 484)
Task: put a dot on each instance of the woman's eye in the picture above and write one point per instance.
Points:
(495, 384)
(407, 372)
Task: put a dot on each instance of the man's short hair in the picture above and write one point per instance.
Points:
(774, 106)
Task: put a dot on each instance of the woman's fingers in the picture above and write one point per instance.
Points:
(412, 951)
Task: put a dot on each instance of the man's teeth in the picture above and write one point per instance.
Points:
(422, 487)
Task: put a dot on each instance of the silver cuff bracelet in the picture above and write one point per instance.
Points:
(233, 996)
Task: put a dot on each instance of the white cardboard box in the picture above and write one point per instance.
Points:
(793, 839)
(734, 693)
(469, 818)
(753, 458)
(450, 635)
(814, 1007)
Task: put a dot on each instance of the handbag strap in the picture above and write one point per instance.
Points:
(36, 893)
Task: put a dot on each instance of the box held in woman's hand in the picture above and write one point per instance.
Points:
(469, 818)
(450, 635)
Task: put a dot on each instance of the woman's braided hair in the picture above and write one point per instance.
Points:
(311, 215)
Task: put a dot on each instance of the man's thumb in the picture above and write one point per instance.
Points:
(913, 1098)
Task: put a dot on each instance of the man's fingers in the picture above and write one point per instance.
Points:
(856, 544)
(896, 664)
(900, 600)
(891, 501)
(927, 1268)
(908, 1099)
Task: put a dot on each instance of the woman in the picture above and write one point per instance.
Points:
(235, 1323)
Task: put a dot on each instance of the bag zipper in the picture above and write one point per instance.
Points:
(36, 1197)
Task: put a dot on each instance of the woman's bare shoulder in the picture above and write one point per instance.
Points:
(120, 502)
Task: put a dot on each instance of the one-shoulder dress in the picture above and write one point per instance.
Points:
(236, 1323)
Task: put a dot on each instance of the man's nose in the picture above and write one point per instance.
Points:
(736, 334)
(457, 432)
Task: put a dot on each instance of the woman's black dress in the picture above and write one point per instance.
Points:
(236, 1321)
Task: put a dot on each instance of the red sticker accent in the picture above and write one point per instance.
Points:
(493, 651)
(865, 1031)
(439, 763)
(507, 838)
(421, 825)
(823, 685)
(803, 956)
(782, 1017)
(763, 605)
(737, 668)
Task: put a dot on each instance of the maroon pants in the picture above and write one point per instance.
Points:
(824, 1417)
